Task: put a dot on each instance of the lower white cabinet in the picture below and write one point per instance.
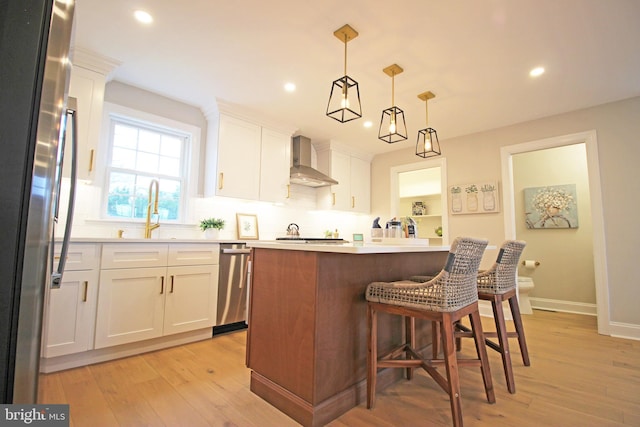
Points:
(70, 310)
(136, 304)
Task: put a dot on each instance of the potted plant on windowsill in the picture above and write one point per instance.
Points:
(211, 227)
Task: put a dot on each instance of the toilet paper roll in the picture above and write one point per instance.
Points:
(530, 264)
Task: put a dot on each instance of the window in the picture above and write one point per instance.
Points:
(140, 152)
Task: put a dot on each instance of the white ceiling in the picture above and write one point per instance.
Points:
(473, 55)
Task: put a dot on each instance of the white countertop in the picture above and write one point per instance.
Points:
(345, 248)
(127, 240)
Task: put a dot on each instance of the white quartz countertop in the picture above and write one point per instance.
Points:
(345, 248)
(127, 240)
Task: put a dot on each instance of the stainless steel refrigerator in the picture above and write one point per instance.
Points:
(35, 37)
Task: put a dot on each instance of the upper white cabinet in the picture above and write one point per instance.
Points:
(87, 85)
(252, 161)
(238, 159)
(275, 162)
(353, 173)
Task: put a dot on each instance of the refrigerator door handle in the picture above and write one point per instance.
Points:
(56, 276)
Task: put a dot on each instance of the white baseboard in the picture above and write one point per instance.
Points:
(563, 306)
(543, 304)
(624, 330)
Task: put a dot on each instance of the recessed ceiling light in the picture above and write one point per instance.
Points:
(538, 71)
(367, 124)
(290, 87)
(143, 16)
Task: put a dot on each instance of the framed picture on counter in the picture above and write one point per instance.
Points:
(247, 226)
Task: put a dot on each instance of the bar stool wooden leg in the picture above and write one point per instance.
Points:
(372, 355)
(436, 338)
(503, 341)
(410, 338)
(517, 321)
(451, 364)
(478, 338)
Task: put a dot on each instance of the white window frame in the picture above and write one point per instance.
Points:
(191, 154)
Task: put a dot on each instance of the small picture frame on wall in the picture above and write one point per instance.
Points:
(247, 226)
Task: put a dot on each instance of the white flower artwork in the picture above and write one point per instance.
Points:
(551, 207)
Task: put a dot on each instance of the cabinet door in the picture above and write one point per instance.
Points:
(88, 88)
(340, 171)
(130, 305)
(192, 294)
(238, 159)
(275, 164)
(360, 185)
(70, 314)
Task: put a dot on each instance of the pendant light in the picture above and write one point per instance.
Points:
(393, 127)
(344, 100)
(427, 144)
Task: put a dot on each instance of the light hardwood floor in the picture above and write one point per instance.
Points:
(576, 378)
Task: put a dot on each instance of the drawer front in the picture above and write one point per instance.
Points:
(131, 255)
(80, 256)
(193, 253)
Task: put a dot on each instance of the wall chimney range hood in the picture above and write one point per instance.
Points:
(301, 171)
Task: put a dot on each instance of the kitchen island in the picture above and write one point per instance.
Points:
(307, 339)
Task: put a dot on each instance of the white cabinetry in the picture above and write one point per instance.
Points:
(353, 173)
(238, 159)
(87, 84)
(252, 161)
(153, 290)
(70, 310)
(275, 163)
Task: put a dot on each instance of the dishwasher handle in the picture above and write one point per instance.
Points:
(236, 251)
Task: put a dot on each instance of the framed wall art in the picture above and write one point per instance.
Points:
(475, 198)
(247, 226)
(551, 207)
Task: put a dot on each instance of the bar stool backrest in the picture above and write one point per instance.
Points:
(501, 277)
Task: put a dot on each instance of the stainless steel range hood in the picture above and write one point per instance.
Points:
(301, 171)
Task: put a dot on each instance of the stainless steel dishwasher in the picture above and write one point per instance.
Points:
(232, 288)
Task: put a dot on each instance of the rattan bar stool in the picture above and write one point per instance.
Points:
(447, 298)
(498, 284)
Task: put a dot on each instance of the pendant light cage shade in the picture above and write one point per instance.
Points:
(393, 127)
(427, 144)
(344, 101)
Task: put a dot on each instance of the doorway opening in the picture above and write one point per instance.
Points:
(509, 202)
(418, 190)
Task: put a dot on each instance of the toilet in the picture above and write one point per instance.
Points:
(525, 285)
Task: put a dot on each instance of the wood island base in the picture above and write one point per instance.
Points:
(307, 337)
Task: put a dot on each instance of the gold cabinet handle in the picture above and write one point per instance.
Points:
(353, 201)
(171, 291)
(86, 289)
(288, 191)
(220, 180)
(91, 157)
(333, 203)
(161, 285)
